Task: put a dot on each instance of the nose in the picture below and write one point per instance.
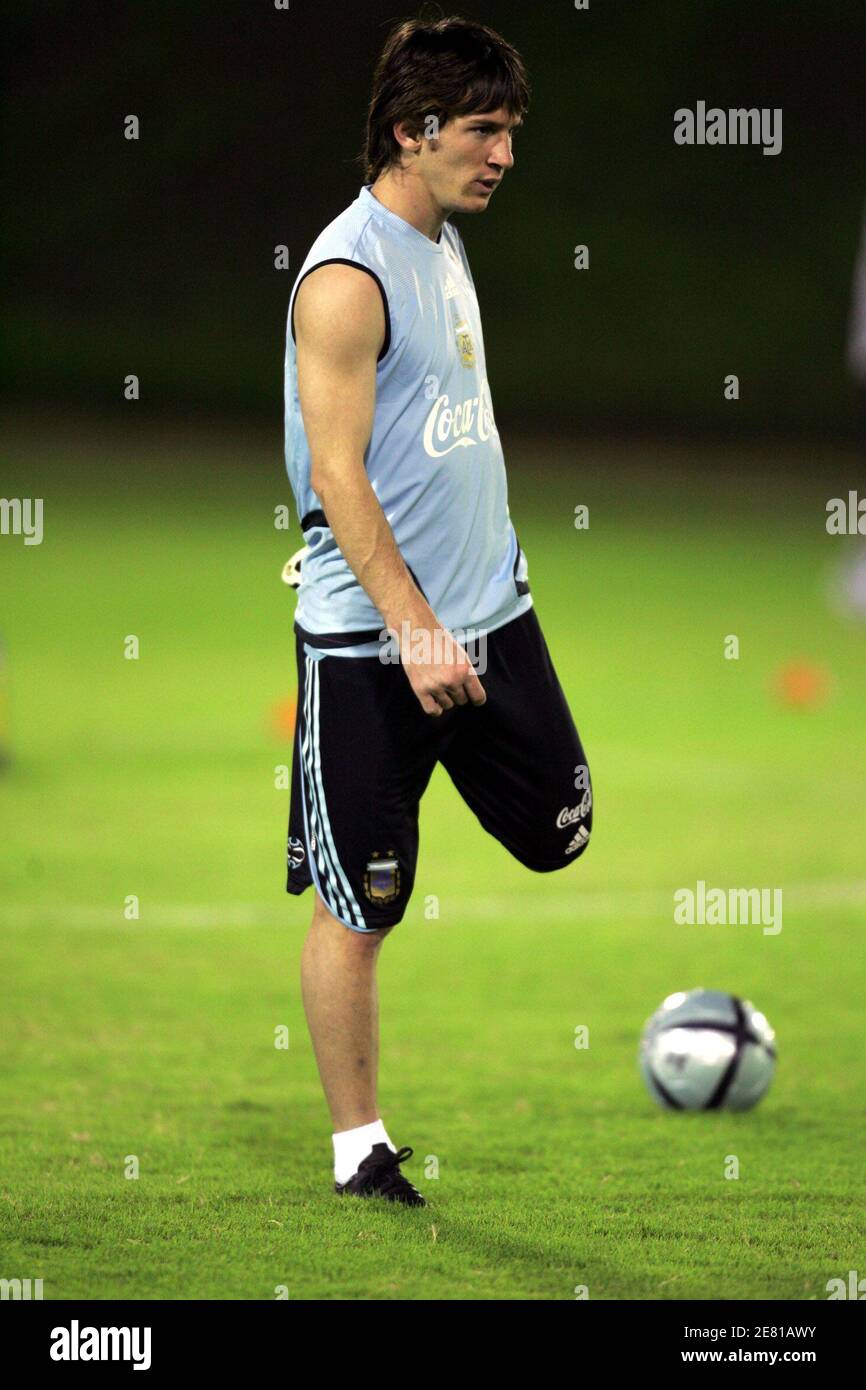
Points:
(501, 154)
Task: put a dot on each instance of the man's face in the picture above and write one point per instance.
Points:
(469, 159)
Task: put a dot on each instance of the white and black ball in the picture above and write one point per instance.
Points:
(707, 1050)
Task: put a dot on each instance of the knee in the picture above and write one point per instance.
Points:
(350, 938)
(372, 938)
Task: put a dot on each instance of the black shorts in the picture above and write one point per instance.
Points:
(365, 750)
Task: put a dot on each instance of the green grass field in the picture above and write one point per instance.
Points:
(154, 1037)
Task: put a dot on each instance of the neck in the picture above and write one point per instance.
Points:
(411, 199)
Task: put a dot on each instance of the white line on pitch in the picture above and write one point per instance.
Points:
(649, 902)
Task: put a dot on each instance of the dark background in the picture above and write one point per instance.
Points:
(157, 256)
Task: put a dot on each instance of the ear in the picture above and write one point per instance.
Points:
(408, 137)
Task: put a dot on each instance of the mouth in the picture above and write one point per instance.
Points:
(487, 184)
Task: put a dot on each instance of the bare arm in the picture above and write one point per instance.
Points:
(339, 330)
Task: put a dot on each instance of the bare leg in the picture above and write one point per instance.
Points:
(341, 1001)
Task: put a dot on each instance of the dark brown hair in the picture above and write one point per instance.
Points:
(445, 68)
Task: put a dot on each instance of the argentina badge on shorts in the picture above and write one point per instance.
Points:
(382, 878)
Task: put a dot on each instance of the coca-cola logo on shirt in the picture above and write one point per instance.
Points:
(461, 426)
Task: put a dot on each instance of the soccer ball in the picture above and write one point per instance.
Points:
(706, 1050)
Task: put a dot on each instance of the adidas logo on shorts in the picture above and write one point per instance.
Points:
(580, 839)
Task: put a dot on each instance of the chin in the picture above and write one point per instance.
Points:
(473, 202)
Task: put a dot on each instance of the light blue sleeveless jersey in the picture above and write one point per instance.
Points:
(434, 459)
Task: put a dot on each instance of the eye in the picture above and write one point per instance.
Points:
(490, 130)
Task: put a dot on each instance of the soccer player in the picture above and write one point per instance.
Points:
(411, 561)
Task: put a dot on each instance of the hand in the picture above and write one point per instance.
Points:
(438, 669)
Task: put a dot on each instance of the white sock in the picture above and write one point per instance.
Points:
(351, 1147)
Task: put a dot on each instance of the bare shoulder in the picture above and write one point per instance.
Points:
(340, 305)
